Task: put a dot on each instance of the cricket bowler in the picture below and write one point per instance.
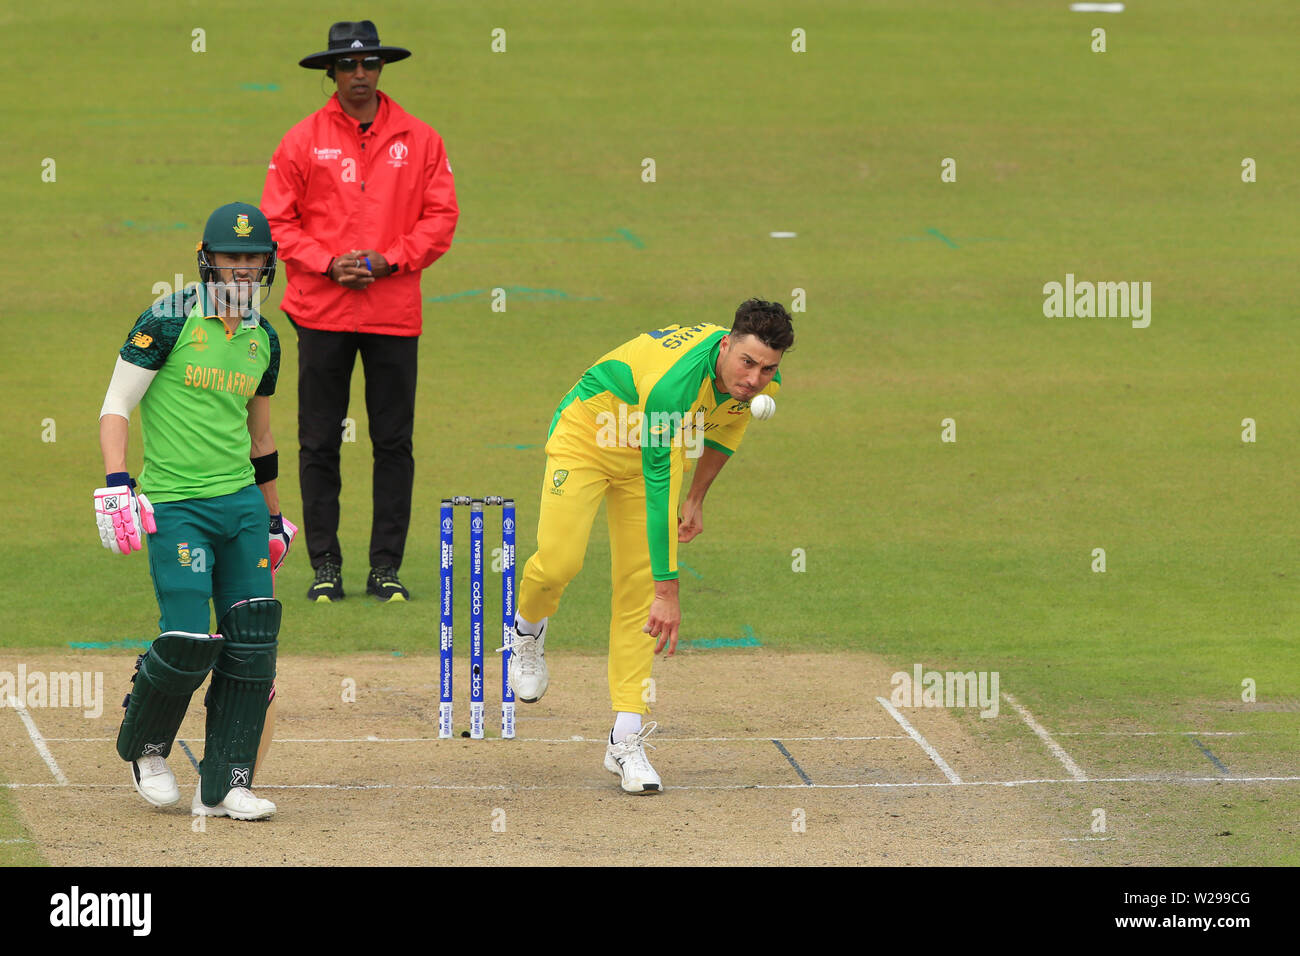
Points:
(623, 434)
(202, 365)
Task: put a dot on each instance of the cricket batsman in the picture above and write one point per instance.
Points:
(202, 365)
(623, 435)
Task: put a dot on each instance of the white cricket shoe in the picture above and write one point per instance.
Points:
(239, 804)
(155, 781)
(528, 675)
(627, 759)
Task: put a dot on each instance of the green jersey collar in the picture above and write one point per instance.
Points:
(200, 309)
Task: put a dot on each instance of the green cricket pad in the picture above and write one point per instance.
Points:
(166, 677)
(237, 699)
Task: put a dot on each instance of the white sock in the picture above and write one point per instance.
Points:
(625, 725)
(527, 627)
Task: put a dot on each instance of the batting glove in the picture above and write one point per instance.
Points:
(282, 534)
(123, 517)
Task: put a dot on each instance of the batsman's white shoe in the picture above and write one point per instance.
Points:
(155, 781)
(627, 759)
(240, 804)
(528, 675)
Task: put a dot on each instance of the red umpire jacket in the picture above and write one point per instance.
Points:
(331, 188)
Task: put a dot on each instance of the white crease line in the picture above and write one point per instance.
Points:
(1071, 767)
(558, 740)
(1173, 781)
(39, 741)
(1166, 733)
(775, 786)
(533, 740)
(912, 732)
(370, 739)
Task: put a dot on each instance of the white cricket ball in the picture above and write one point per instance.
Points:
(763, 407)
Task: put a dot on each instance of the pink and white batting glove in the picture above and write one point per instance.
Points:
(282, 534)
(123, 517)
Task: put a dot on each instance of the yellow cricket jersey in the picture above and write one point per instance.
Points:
(657, 393)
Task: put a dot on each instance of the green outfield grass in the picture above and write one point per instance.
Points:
(924, 302)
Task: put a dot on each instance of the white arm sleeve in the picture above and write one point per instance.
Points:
(126, 388)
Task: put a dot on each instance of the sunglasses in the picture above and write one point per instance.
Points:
(348, 64)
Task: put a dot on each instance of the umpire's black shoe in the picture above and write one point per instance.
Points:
(384, 585)
(328, 585)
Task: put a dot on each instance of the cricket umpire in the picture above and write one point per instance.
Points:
(202, 365)
(361, 199)
(623, 434)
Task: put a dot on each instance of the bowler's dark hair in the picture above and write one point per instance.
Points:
(768, 322)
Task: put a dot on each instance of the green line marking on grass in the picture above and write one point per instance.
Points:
(686, 567)
(951, 243)
(709, 642)
(627, 234)
(518, 447)
(259, 86)
(942, 238)
(619, 235)
(109, 645)
(520, 291)
(748, 640)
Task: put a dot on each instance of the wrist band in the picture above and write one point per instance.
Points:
(119, 478)
(266, 468)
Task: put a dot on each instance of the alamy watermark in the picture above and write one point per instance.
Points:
(633, 428)
(923, 688)
(1084, 300)
(75, 908)
(84, 689)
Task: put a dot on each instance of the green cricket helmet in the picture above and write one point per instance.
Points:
(237, 227)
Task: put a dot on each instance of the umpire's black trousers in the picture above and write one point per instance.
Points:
(325, 363)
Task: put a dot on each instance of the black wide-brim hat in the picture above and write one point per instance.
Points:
(352, 37)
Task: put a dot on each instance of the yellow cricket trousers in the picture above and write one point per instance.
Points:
(579, 474)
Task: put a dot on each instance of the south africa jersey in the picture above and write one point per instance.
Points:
(195, 412)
